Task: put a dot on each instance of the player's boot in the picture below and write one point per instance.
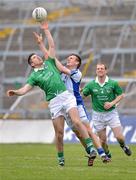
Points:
(61, 162)
(127, 150)
(108, 154)
(92, 157)
(105, 159)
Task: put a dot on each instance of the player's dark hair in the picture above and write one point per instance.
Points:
(101, 63)
(78, 59)
(29, 58)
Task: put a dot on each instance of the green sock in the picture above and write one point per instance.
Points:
(106, 148)
(108, 154)
(60, 155)
(122, 143)
(89, 144)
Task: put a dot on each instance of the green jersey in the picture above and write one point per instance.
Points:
(101, 94)
(48, 79)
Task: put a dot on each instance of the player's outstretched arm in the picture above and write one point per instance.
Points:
(52, 53)
(42, 47)
(19, 92)
(45, 27)
(62, 68)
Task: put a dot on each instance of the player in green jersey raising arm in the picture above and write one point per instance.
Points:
(105, 94)
(46, 76)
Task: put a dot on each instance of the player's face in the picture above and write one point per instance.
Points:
(100, 70)
(72, 61)
(36, 60)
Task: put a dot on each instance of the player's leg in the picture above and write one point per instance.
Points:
(115, 125)
(103, 141)
(90, 158)
(121, 140)
(70, 105)
(58, 124)
(85, 120)
(96, 143)
(70, 124)
(100, 124)
(73, 113)
(79, 137)
(78, 134)
(55, 107)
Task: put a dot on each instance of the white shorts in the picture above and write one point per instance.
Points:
(61, 104)
(102, 119)
(82, 114)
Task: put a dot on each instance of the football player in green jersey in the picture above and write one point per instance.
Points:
(105, 94)
(46, 76)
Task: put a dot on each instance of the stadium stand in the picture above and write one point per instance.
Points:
(105, 30)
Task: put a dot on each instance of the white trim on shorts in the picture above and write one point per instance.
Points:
(61, 104)
(103, 119)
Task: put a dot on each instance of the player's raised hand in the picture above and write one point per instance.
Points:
(44, 25)
(11, 93)
(38, 37)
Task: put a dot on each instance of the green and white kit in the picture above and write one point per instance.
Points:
(48, 78)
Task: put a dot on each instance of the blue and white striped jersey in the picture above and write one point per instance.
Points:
(72, 83)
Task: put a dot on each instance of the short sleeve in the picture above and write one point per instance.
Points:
(31, 80)
(117, 89)
(76, 75)
(87, 90)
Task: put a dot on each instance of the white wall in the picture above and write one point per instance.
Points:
(26, 131)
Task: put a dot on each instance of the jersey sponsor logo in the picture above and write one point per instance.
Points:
(102, 97)
(48, 75)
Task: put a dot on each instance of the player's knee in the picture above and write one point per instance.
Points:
(77, 123)
(60, 134)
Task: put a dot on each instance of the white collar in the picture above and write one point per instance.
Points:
(38, 69)
(106, 80)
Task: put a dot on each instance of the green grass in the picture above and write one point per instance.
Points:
(38, 162)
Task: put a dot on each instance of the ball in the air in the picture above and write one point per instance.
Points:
(39, 14)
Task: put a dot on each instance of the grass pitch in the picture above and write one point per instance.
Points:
(38, 162)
